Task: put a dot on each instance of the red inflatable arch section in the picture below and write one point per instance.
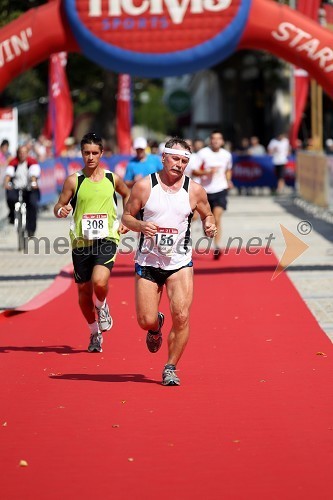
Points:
(273, 27)
(291, 36)
(32, 38)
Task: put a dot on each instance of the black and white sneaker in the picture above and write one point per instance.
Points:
(154, 339)
(96, 341)
(104, 318)
(169, 376)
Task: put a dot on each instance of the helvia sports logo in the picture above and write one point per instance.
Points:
(157, 37)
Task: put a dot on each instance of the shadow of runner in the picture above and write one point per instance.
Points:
(112, 377)
(61, 349)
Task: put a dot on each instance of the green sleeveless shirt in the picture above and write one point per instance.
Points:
(92, 202)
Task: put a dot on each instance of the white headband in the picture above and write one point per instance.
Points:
(179, 152)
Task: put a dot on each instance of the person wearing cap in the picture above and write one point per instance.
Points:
(166, 202)
(142, 164)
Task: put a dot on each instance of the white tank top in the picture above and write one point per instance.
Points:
(171, 246)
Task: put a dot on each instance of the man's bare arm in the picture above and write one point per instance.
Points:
(203, 208)
(62, 208)
(137, 200)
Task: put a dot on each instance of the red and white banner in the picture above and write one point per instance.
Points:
(60, 113)
(124, 118)
(9, 128)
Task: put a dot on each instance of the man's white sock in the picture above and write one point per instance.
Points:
(100, 304)
(93, 327)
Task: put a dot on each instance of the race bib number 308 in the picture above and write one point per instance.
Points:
(95, 226)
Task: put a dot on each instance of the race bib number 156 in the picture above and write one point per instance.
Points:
(165, 240)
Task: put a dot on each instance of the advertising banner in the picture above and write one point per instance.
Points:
(124, 114)
(258, 171)
(9, 128)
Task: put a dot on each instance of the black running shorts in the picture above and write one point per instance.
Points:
(279, 171)
(218, 199)
(156, 274)
(100, 253)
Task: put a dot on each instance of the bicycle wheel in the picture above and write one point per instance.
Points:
(21, 229)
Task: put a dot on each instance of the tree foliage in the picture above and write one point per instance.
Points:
(11, 9)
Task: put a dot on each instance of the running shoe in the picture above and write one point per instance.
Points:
(169, 376)
(217, 254)
(96, 341)
(154, 339)
(105, 320)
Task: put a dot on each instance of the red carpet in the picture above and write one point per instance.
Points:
(253, 418)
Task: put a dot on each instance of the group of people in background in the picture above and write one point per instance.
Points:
(210, 166)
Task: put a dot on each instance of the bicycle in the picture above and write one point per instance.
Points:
(20, 221)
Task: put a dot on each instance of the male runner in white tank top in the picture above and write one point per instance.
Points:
(166, 202)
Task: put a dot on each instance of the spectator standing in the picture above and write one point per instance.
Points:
(154, 149)
(142, 164)
(4, 152)
(279, 149)
(243, 148)
(256, 149)
(329, 146)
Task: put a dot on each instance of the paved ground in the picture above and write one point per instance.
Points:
(251, 219)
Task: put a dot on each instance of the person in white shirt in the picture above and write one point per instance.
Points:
(194, 164)
(279, 149)
(215, 173)
(166, 201)
(195, 161)
(22, 173)
(256, 149)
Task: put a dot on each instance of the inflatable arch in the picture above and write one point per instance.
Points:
(155, 38)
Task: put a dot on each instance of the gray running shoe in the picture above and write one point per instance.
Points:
(96, 341)
(105, 320)
(154, 339)
(169, 376)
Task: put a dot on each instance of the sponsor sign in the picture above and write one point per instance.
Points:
(259, 171)
(179, 101)
(157, 37)
(246, 170)
(9, 127)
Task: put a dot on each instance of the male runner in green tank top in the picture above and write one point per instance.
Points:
(94, 233)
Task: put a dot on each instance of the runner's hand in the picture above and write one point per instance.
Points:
(122, 229)
(149, 228)
(65, 211)
(210, 229)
